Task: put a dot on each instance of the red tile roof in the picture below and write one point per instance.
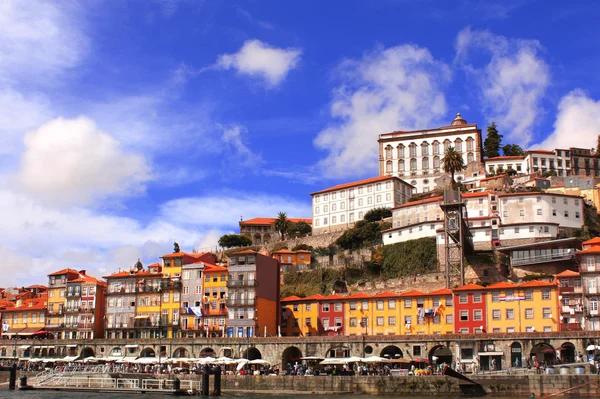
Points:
(127, 273)
(269, 221)
(283, 251)
(359, 183)
(505, 157)
(595, 240)
(333, 297)
(387, 294)
(36, 304)
(536, 283)
(502, 285)
(413, 293)
(358, 295)
(443, 291)
(494, 177)
(64, 271)
(592, 250)
(292, 298)
(36, 286)
(469, 287)
(568, 273)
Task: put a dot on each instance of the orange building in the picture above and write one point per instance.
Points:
(292, 260)
(300, 316)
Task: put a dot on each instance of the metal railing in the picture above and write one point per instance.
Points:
(563, 255)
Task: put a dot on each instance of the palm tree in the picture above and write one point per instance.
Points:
(453, 162)
(282, 224)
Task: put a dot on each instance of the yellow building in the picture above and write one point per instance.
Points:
(57, 300)
(300, 316)
(148, 303)
(527, 307)
(386, 318)
(590, 194)
(26, 318)
(439, 311)
(359, 315)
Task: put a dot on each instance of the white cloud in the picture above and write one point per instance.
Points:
(235, 142)
(39, 39)
(511, 85)
(577, 123)
(216, 210)
(388, 89)
(72, 161)
(257, 58)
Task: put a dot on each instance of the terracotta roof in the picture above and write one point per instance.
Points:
(36, 304)
(268, 221)
(568, 273)
(441, 198)
(36, 286)
(469, 287)
(536, 283)
(592, 250)
(292, 298)
(386, 294)
(155, 264)
(84, 278)
(443, 291)
(595, 240)
(502, 285)
(505, 157)
(283, 251)
(174, 255)
(214, 268)
(244, 252)
(127, 273)
(494, 177)
(358, 295)
(359, 183)
(413, 293)
(333, 297)
(5, 303)
(64, 271)
(314, 297)
(303, 251)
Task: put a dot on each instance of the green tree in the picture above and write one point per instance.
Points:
(377, 214)
(304, 247)
(362, 234)
(512, 150)
(453, 162)
(299, 229)
(491, 144)
(282, 224)
(234, 240)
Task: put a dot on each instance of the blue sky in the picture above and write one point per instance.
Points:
(125, 126)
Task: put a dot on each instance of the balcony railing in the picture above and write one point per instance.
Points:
(570, 290)
(59, 312)
(240, 302)
(591, 290)
(555, 257)
(241, 283)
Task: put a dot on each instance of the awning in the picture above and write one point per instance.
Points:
(491, 353)
(127, 359)
(22, 331)
(131, 346)
(50, 346)
(72, 346)
(69, 358)
(141, 317)
(24, 346)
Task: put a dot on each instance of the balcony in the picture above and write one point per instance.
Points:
(240, 302)
(87, 310)
(71, 294)
(58, 312)
(570, 290)
(591, 290)
(241, 283)
(555, 257)
(171, 285)
(571, 327)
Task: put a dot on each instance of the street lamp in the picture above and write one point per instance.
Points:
(159, 328)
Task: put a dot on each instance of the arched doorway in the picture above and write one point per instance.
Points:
(543, 353)
(291, 355)
(391, 352)
(440, 354)
(252, 354)
(567, 352)
(148, 352)
(338, 351)
(87, 352)
(51, 352)
(44, 352)
(266, 239)
(516, 354)
(257, 239)
(181, 352)
(208, 352)
(36, 352)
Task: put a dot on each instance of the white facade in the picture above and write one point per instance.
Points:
(491, 217)
(546, 161)
(339, 207)
(416, 156)
(493, 165)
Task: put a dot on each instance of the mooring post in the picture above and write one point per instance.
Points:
(217, 372)
(205, 379)
(12, 382)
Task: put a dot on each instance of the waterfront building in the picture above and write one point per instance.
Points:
(292, 260)
(427, 313)
(416, 156)
(26, 318)
(385, 314)
(570, 297)
(85, 310)
(253, 308)
(299, 316)
(262, 230)
(57, 301)
(331, 315)
(527, 307)
(470, 309)
(204, 300)
(340, 207)
(589, 267)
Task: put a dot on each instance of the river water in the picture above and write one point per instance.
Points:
(5, 394)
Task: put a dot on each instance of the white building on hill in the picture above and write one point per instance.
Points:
(339, 207)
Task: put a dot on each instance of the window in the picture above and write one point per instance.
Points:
(392, 320)
(521, 212)
(464, 315)
(554, 200)
(408, 320)
(539, 212)
(309, 307)
(379, 320)
(495, 297)
(364, 305)
(353, 322)
(510, 329)
(547, 313)
(325, 307)
(565, 201)
(529, 313)
(566, 214)
(391, 304)
(517, 230)
(449, 319)
(505, 214)
(528, 295)
(448, 302)
(510, 314)
(308, 321)
(496, 314)
(576, 215)
(338, 306)
(379, 305)
(477, 298)
(352, 305)
(477, 315)
(408, 303)
(463, 298)
(545, 295)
